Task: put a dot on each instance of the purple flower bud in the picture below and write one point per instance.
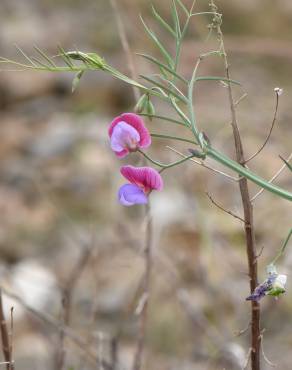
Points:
(262, 289)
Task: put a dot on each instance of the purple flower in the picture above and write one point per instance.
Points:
(263, 289)
(142, 181)
(127, 134)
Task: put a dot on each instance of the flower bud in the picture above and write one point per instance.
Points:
(141, 104)
(150, 108)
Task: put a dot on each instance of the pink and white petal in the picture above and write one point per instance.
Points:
(113, 125)
(144, 177)
(123, 136)
(137, 122)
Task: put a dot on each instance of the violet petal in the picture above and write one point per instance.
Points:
(130, 194)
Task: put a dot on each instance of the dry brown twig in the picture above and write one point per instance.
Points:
(242, 331)
(277, 174)
(247, 207)
(247, 359)
(126, 46)
(143, 314)
(6, 338)
(201, 163)
(263, 352)
(270, 131)
(59, 327)
(67, 295)
(224, 209)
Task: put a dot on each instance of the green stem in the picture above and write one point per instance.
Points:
(162, 165)
(282, 250)
(173, 137)
(190, 101)
(221, 158)
(163, 118)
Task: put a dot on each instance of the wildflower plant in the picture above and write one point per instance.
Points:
(128, 132)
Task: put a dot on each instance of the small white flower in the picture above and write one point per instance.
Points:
(278, 91)
(280, 281)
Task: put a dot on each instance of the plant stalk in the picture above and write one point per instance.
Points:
(247, 210)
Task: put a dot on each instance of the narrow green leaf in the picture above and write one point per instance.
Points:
(180, 3)
(180, 112)
(205, 13)
(44, 55)
(190, 103)
(41, 63)
(216, 78)
(97, 60)
(162, 22)
(163, 66)
(67, 60)
(172, 138)
(175, 17)
(161, 94)
(158, 44)
(169, 91)
(172, 84)
(17, 64)
(25, 55)
(163, 118)
(124, 78)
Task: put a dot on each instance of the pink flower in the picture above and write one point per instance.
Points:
(142, 181)
(127, 134)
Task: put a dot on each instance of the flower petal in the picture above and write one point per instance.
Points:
(124, 136)
(145, 177)
(122, 154)
(131, 194)
(137, 123)
(281, 279)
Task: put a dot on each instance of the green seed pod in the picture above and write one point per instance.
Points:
(141, 105)
(76, 80)
(150, 109)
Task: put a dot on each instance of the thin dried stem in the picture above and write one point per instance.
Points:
(200, 163)
(247, 359)
(6, 346)
(263, 352)
(277, 174)
(270, 132)
(59, 327)
(67, 295)
(247, 207)
(224, 209)
(143, 315)
(242, 331)
(114, 352)
(126, 46)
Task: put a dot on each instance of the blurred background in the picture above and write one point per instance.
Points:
(62, 230)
